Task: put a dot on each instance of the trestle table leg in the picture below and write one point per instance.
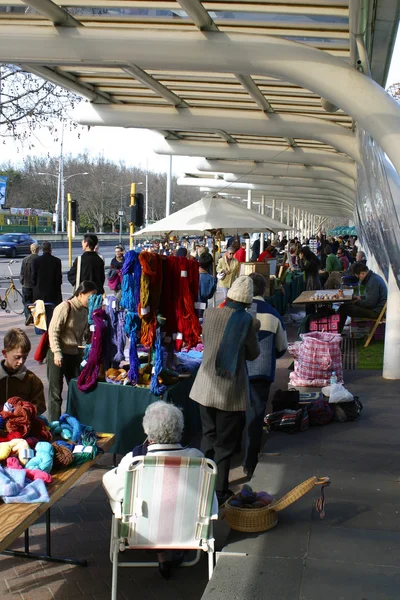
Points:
(46, 557)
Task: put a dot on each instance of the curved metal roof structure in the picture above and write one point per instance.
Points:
(268, 92)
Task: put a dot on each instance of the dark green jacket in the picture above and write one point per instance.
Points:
(333, 263)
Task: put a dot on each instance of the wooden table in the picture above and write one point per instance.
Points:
(15, 519)
(305, 297)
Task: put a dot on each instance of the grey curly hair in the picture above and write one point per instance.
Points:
(163, 423)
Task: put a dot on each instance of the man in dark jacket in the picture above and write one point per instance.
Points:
(47, 276)
(89, 266)
(374, 299)
(25, 278)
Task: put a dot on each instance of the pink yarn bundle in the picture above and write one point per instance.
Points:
(13, 463)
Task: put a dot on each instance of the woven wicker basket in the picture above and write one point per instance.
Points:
(252, 520)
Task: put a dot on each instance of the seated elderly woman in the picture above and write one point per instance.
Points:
(163, 425)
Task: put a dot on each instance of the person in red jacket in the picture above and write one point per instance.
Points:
(265, 255)
(240, 254)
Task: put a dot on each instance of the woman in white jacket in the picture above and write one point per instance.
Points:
(163, 425)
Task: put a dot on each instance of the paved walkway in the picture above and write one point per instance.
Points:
(354, 554)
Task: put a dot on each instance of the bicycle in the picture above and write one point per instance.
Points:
(12, 299)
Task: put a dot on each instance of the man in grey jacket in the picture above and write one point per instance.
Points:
(221, 386)
(26, 278)
(374, 299)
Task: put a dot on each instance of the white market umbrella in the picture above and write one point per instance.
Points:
(210, 214)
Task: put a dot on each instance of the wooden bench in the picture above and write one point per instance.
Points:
(15, 519)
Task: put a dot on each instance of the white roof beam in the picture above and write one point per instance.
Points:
(53, 12)
(232, 121)
(219, 184)
(200, 17)
(266, 154)
(253, 90)
(70, 82)
(290, 182)
(154, 85)
(170, 135)
(225, 136)
(275, 170)
(320, 72)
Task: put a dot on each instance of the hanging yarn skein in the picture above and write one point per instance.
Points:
(120, 341)
(131, 272)
(87, 380)
(150, 292)
(188, 321)
(95, 301)
(132, 325)
(156, 387)
(169, 295)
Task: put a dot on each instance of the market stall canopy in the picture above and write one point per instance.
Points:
(210, 214)
(343, 230)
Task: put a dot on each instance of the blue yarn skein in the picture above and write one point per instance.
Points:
(157, 388)
(43, 459)
(70, 428)
(131, 272)
(65, 444)
(88, 436)
(95, 301)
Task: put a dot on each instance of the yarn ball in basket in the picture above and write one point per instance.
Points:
(247, 498)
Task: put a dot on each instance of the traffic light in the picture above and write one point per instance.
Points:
(137, 211)
(74, 212)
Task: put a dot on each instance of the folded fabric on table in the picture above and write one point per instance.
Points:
(17, 488)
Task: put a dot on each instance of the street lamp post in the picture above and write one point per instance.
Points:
(60, 195)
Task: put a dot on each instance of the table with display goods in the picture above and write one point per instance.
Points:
(15, 519)
(120, 410)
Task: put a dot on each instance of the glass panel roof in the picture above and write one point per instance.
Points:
(322, 24)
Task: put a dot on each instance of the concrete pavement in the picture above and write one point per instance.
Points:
(354, 554)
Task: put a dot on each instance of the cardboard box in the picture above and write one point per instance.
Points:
(256, 267)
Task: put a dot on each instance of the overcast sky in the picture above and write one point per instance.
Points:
(133, 146)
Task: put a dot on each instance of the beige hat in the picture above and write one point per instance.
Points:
(274, 243)
(242, 290)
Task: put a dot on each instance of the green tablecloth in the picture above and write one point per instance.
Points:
(119, 409)
(293, 287)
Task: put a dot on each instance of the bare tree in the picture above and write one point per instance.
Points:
(28, 102)
(98, 194)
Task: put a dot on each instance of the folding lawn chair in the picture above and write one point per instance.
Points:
(169, 503)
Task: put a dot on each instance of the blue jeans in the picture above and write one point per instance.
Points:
(259, 392)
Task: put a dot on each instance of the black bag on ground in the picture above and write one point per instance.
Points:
(285, 399)
(347, 411)
(288, 421)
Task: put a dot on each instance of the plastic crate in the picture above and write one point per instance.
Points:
(329, 324)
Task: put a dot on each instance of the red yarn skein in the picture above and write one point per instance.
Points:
(21, 418)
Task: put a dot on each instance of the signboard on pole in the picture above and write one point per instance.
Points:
(3, 189)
